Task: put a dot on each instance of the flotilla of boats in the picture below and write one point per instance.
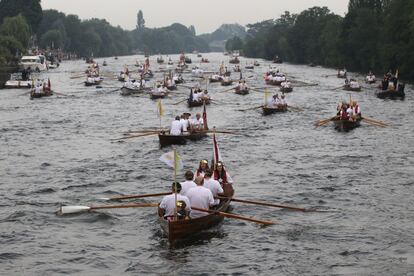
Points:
(347, 118)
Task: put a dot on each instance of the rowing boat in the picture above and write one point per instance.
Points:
(197, 103)
(240, 91)
(270, 110)
(346, 124)
(187, 228)
(45, 93)
(167, 139)
(392, 94)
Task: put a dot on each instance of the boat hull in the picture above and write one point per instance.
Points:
(186, 229)
(391, 94)
(40, 95)
(168, 139)
(346, 125)
(241, 91)
(271, 110)
(197, 103)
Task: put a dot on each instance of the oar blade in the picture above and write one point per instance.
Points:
(63, 210)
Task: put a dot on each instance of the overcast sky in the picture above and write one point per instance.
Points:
(206, 15)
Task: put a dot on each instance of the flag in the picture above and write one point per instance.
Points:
(216, 152)
(168, 158)
(190, 99)
(266, 96)
(160, 108)
(205, 116)
(48, 83)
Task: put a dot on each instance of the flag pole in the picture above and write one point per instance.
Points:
(175, 184)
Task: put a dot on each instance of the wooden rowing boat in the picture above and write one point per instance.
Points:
(239, 91)
(126, 91)
(392, 94)
(347, 87)
(46, 93)
(185, 229)
(197, 103)
(270, 110)
(346, 124)
(167, 139)
(286, 89)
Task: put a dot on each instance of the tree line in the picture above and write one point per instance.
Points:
(23, 22)
(374, 35)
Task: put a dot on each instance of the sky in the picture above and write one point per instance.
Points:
(205, 15)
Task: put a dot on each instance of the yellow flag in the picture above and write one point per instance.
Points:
(160, 108)
(266, 96)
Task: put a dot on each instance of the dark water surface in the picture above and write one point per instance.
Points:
(57, 150)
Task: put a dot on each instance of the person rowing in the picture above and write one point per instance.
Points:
(213, 185)
(188, 183)
(169, 204)
(176, 127)
(200, 197)
(197, 124)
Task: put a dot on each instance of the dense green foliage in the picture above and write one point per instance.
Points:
(235, 43)
(98, 38)
(14, 37)
(374, 35)
(30, 9)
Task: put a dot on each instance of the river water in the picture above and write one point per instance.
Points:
(58, 151)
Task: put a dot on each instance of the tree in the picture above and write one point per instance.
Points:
(30, 9)
(140, 20)
(234, 43)
(16, 27)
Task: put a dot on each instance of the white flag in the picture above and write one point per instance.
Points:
(168, 158)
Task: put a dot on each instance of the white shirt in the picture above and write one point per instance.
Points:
(187, 185)
(198, 123)
(168, 204)
(184, 123)
(215, 188)
(200, 197)
(176, 128)
(349, 111)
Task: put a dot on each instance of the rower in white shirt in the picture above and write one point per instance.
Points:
(184, 123)
(213, 185)
(188, 183)
(176, 127)
(168, 204)
(197, 123)
(200, 197)
(282, 100)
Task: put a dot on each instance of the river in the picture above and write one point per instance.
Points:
(58, 151)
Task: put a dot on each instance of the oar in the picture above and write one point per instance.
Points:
(374, 121)
(264, 222)
(222, 131)
(113, 90)
(61, 94)
(338, 87)
(77, 77)
(25, 93)
(180, 102)
(375, 124)
(256, 107)
(228, 89)
(134, 196)
(79, 209)
(323, 122)
(267, 204)
(295, 108)
(135, 136)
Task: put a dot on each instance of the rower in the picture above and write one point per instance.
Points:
(221, 174)
(213, 185)
(188, 183)
(168, 204)
(184, 122)
(282, 100)
(202, 167)
(350, 113)
(197, 123)
(200, 197)
(176, 127)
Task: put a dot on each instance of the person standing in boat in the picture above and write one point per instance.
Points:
(283, 101)
(221, 175)
(168, 204)
(213, 185)
(188, 183)
(184, 122)
(202, 168)
(200, 197)
(176, 127)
